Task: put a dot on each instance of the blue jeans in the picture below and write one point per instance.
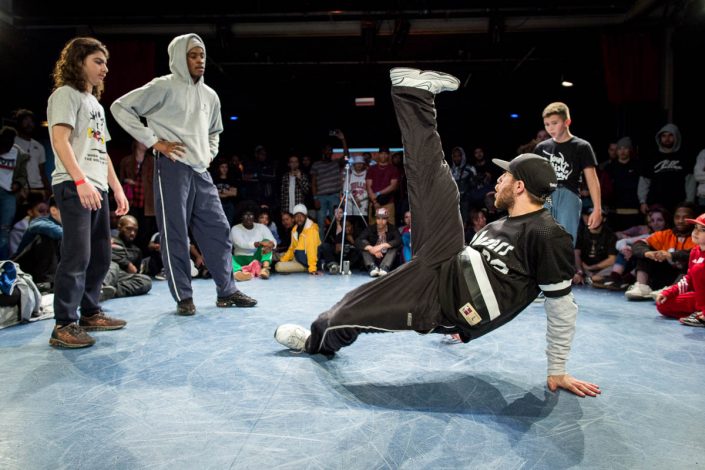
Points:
(329, 202)
(8, 202)
(565, 207)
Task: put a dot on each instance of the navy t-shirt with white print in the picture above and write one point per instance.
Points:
(510, 262)
(568, 160)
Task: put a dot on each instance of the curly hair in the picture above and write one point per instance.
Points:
(69, 68)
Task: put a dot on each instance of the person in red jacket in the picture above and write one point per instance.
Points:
(685, 299)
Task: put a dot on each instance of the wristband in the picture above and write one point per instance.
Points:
(377, 194)
(79, 182)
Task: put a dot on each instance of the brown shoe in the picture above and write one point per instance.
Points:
(242, 276)
(265, 273)
(100, 322)
(70, 336)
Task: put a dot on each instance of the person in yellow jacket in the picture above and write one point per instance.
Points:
(302, 254)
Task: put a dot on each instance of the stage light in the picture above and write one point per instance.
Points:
(567, 83)
(514, 116)
(233, 118)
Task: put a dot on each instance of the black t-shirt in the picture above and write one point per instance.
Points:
(667, 172)
(505, 267)
(625, 183)
(568, 160)
(223, 184)
(596, 247)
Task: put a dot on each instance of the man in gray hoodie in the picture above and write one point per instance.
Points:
(183, 127)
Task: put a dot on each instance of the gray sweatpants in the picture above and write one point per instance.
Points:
(407, 298)
(126, 284)
(184, 200)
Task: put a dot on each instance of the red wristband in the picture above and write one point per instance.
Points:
(79, 182)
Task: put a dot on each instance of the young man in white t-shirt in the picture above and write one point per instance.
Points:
(36, 175)
(80, 183)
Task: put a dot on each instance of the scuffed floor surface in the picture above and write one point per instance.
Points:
(216, 391)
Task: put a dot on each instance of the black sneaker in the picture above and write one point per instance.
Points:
(70, 336)
(238, 299)
(185, 307)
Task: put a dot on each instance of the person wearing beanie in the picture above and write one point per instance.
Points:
(448, 287)
(184, 142)
(302, 254)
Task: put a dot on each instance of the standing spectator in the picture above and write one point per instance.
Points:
(483, 180)
(357, 189)
(80, 183)
(463, 174)
(185, 143)
(611, 155)
(261, 178)
(136, 174)
(295, 186)
(699, 174)
(13, 177)
(664, 172)
(326, 184)
(227, 189)
(382, 184)
(623, 173)
(571, 157)
(36, 174)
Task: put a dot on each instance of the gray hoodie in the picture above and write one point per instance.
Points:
(673, 129)
(176, 110)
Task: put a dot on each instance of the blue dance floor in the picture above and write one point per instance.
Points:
(216, 391)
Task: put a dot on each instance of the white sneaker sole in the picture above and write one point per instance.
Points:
(423, 79)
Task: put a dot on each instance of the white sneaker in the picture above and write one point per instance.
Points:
(374, 272)
(655, 293)
(638, 291)
(435, 82)
(382, 272)
(292, 336)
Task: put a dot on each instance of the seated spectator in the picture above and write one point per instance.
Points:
(663, 256)
(265, 219)
(405, 233)
(36, 207)
(687, 297)
(287, 223)
(123, 275)
(39, 250)
(595, 251)
(251, 242)
(302, 254)
(621, 276)
(379, 244)
(478, 220)
(333, 245)
(153, 265)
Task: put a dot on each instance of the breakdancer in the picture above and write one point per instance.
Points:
(448, 287)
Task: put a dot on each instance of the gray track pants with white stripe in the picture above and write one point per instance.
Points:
(191, 202)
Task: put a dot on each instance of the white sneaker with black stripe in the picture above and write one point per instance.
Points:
(429, 80)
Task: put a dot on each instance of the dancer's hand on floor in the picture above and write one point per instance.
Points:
(573, 385)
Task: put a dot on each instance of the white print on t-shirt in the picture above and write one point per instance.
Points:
(667, 165)
(560, 165)
(493, 245)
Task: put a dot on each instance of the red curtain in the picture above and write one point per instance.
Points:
(632, 63)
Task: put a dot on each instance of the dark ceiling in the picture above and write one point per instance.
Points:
(293, 68)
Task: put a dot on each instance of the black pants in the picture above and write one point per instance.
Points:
(85, 255)
(407, 298)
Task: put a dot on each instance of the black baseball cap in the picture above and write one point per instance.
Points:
(536, 172)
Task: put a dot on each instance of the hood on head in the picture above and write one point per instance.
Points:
(177, 55)
(673, 129)
(463, 158)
